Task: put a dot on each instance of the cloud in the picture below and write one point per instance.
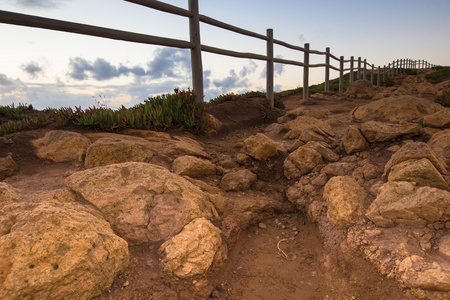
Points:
(8, 86)
(278, 69)
(231, 81)
(4, 81)
(100, 69)
(235, 81)
(301, 38)
(169, 62)
(39, 3)
(32, 69)
(206, 79)
(247, 70)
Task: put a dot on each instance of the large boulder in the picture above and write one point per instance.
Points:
(338, 169)
(115, 149)
(7, 166)
(142, 202)
(140, 146)
(420, 171)
(375, 131)
(260, 147)
(360, 89)
(295, 127)
(192, 251)
(180, 146)
(353, 140)
(439, 119)
(416, 272)
(301, 162)
(238, 180)
(51, 250)
(414, 151)
(8, 194)
(344, 198)
(61, 146)
(404, 203)
(323, 149)
(403, 108)
(440, 144)
(193, 166)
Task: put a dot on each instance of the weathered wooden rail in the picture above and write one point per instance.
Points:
(196, 48)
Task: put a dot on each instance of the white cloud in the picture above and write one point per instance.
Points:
(40, 3)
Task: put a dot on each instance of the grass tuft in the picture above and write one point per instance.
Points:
(439, 74)
(444, 100)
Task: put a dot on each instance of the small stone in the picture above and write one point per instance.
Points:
(394, 148)
(126, 283)
(262, 225)
(215, 294)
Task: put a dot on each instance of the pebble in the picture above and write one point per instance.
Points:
(215, 294)
(262, 226)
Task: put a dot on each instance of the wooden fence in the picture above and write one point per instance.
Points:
(196, 48)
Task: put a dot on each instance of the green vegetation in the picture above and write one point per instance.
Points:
(444, 100)
(27, 122)
(223, 98)
(13, 112)
(439, 74)
(158, 113)
(252, 94)
(388, 82)
(410, 72)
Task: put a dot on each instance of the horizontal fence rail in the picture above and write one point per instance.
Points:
(194, 44)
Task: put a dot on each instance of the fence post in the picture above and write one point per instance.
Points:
(365, 69)
(341, 75)
(378, 77)
(327, 69)
(359, 68)
(352, 61)
(196, 52)
(397, 71)
(372, 74)
(269, 75)
(384, 73)
(306, 72)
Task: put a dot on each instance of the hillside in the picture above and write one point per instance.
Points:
(340, 196)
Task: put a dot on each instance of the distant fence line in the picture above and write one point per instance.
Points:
(196, 48)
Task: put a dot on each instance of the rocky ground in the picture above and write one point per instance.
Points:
(334, 197)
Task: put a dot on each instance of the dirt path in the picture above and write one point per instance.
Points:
(285, 258)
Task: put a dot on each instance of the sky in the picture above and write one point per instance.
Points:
(55, 69)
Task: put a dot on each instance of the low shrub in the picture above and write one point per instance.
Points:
(14, 112)
(27, 122)
(439, 74)
(160, 112)
(444, 100)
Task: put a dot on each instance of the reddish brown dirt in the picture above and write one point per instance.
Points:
(283, 257)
